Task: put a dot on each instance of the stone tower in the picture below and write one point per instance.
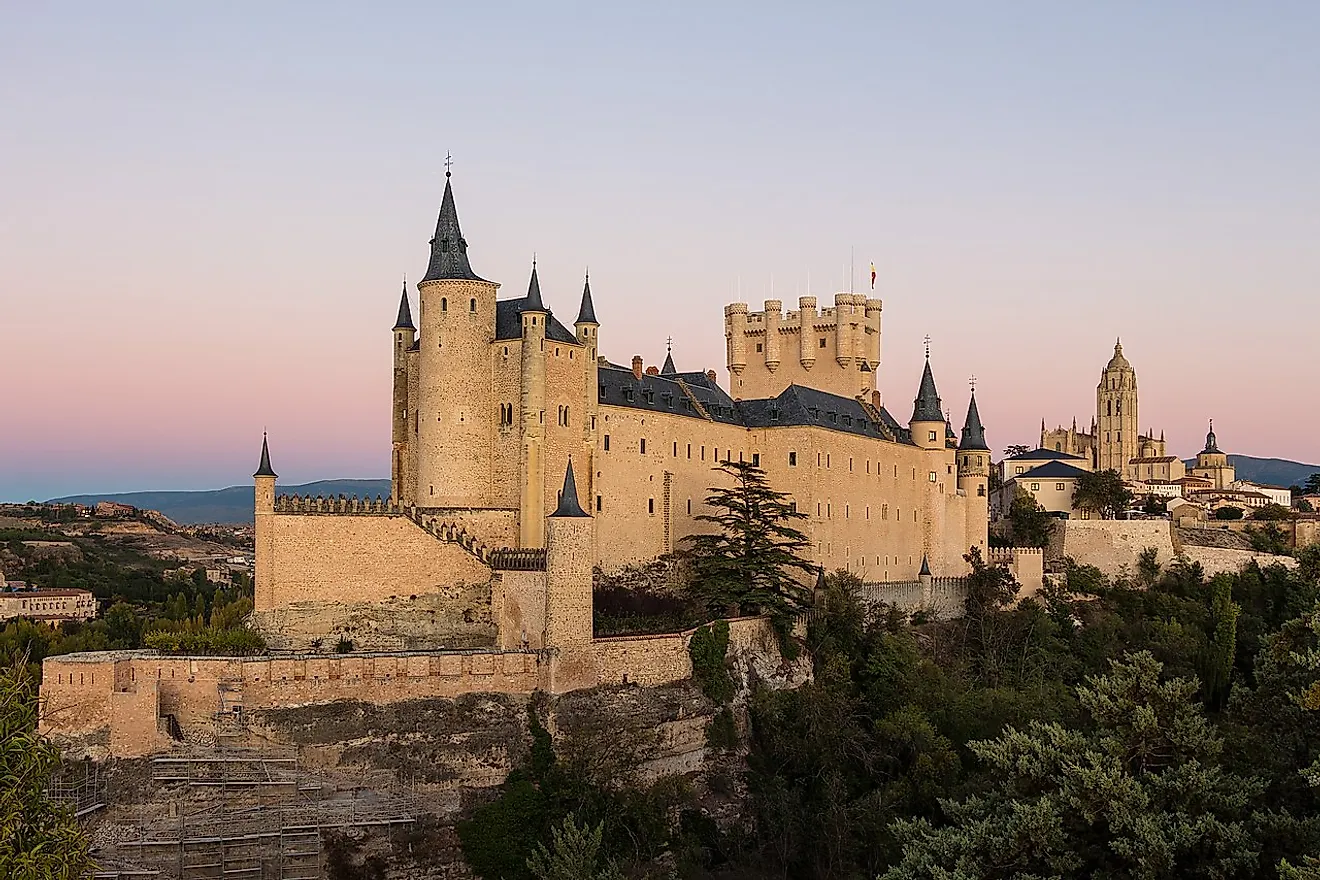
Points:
(454, 410)
(1116, 414)
(927, 423)
(974, 476)
(569, 556)
(531, 520)
(263, 596)
(587, 330)
(837, 349)
(1213, 464)
(405, 336)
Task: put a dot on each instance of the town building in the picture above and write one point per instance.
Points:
(18, 599)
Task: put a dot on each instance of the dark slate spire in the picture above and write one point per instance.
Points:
(449, 257)
(404, 321)
(669, 369)
(925, 567)
(264, 469)
(534, 303)
(926, 408)
(587, 313)
(568, 497)
(973, 432)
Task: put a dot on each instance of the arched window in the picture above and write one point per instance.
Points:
(444, 304)
(472, 304)
(1109, 407)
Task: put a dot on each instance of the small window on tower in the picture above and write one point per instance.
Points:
(758, 346)
(444, 304)
(472, 304)
(822, 342)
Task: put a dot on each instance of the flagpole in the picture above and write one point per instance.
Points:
(852, 269)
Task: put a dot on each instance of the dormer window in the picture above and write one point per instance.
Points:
(627, 394)
(444, 245)
(774, 414)
(602, 392)
(834, 418)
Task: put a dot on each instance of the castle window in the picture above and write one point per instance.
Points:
(827, 459)
(1035, 487)
(602, 392)
(472, 307)
(1058, 447)
(774, 414)
(444, 304)
(933, 437)
(847, 420)
(1019, 470)
(689, 451)
(675, 449)
(1058, 487)
(703, 453)
(833, 417)
(627, 394)
(643, 446)
(933, 476)
(792, 459)
(607, 442)
(756, 459)
(689, 507)
(1109, 407)
(980, 491)
(650, 506)
(758, 346)
(792, 507)
(822, 342)
(850, 465)
(598, 504)
(847, 511)
(556, 351)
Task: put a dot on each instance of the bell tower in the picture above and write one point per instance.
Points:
(1116, 414)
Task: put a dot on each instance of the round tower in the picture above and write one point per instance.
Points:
(587, 330)
(570, 553)
(844, 348)
(874, 308)
(454, 411)
(807, 331)
(531, 520)
(735, 332)
(774, 313)
(405, 335)
(263, 573)
(927, 424)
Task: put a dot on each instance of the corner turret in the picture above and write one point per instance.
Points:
(531, 526)
(973, 454)
(570, 553)
(927, 423)
(263, 596)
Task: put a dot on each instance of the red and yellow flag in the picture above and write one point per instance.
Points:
(873, 276)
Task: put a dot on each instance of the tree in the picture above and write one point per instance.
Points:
(1304, 506)
(753, 563)
(1016, 449)
(1312, 484)
(574, 854)
(39, 839)
(1031, 523)
(1272, 513)
(1154, 505)
(1228, 513)
(1138, 795)
(1102, 492)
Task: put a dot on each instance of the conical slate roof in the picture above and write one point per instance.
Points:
(926, 408)
(568, 496)
(264, 469)
(587, 313)
(404, 321)
(973, 432)
(669, 369)
(533, 301)
(925, 566)
(449, 259)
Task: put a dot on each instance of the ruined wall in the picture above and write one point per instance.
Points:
(1112, 545)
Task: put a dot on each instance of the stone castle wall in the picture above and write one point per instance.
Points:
(1114, 546)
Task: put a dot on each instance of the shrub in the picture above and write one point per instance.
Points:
(722, 731)
(207, 641)
(708, 648)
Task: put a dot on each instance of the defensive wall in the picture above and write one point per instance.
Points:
(1114, 547)
(136, 702)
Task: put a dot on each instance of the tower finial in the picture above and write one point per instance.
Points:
(927, 346)
(568, 497)
(449, 163)
(972, 382)
(263, 468)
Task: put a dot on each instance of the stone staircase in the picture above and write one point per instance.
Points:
(498, 558)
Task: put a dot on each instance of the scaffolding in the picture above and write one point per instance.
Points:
(78, 786)
(256, 815)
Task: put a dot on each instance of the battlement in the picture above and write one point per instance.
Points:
(330, 504)
(769, 350)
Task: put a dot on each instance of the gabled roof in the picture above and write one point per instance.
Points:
(669, 369)
(1045, 455)
(449, 259)
(1053, 470)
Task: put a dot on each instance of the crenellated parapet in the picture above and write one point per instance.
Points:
(340, 504)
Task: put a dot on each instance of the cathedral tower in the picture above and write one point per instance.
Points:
(453, 414)
(1116, 414)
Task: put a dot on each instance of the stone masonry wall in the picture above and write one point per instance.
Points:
(1220, 560)
(1112, 545)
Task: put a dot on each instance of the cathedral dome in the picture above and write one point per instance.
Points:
(1118, 362)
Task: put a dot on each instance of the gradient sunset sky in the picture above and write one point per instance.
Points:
(206, 209)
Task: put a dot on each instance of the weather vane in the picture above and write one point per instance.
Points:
(669, 345)
(927, 346)
(449, 163)
(972, 382)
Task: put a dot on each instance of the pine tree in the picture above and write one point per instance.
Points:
(754, 563)
(574, 854)
(39, 840)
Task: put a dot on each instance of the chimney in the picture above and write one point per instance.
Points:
(637, 366)
(653, 371)
(875, 399)
(710, 374)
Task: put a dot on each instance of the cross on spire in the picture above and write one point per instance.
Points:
(449, 163)
(927, 346)
(669, 345)
(972, 382)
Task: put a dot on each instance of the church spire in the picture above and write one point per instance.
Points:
(669, 369)
(568, 496)
(449, 258)
(587, 312)
(264, 469)
(927, 408)
(973, 432)
(533, 303)
(404, 321)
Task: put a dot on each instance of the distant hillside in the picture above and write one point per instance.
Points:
(232, 505)
(1270, 471)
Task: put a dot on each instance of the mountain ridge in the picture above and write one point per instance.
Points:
(233, 504)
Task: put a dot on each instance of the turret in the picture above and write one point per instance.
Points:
(405, 336)
(774, 313)
(973, 453)
(845, 346)
(807, 331)
(588, 330)
(927, 423)
(454, 412)
(735, 332)
(532, 399)
(264, 510)
(570, 554)
(874, 308)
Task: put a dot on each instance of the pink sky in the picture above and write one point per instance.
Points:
(203, 222)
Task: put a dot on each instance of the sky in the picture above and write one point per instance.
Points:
(206, 210)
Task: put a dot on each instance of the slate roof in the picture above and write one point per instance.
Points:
(1052, 470)
(794, 406)
(569, 505)
(449, 259)
(926, 408)
(587, 312)
(508, 321)
(532, 301)
(404, 321)
(973, 432)
(264, 469)
(1044, 455)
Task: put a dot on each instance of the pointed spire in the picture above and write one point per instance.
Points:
(1211, 443)
(973, 432)
(404, 321)
(568, 496)
(264, 469)
(927, 408)
(669, 369)
(449, 257)
(587, 313)
(533, 303)
(925, 566)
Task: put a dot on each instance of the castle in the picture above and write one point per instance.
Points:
(493, 398)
